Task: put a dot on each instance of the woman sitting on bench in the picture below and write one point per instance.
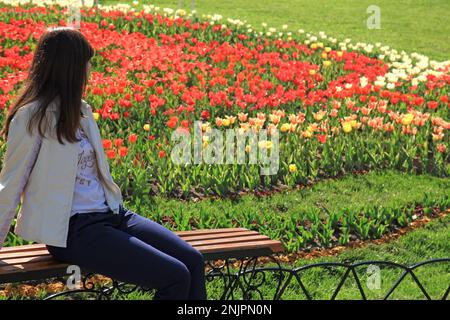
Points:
(69, 200)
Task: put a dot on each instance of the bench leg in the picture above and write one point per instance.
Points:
(248, 279)
(251, 278)
(222, 272)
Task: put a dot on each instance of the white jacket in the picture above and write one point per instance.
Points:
(45, 190)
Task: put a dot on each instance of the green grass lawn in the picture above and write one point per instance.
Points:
(411, 25)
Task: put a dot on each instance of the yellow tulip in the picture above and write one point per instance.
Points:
(327, 63)
(248, 148)
(292, 168)
(327, 49)
(313, 46)
(96, 116)
(406, 121)
(146, 127)
(347, 127)
(205, 141)
(285, 127)
(324, 55)
(312, 72)
(231, 118)
(307, 134)
(226, 122)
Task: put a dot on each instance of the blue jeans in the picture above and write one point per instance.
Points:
(134, 249)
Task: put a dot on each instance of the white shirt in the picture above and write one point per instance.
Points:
(89, 195)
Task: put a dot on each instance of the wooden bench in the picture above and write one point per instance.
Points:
(34, 262)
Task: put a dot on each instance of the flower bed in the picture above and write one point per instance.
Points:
(336, 110)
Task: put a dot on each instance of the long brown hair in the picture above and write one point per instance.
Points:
(59, 68)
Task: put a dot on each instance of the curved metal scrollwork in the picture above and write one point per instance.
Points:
(248, 281)
(350, 272)
(222, 271)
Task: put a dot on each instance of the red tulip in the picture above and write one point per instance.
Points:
(132, 138)
(118, 142)
(111, 154)
(205, 115)
(107, 144)
(123, 151)
(322, 138)
(432, 104)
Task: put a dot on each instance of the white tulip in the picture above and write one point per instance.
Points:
(390, 86)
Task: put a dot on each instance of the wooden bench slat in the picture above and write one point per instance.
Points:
(25, 260)
(220, 235)
(38, 271)
(25, 247)
(32, 266)
(27, 253)
(208, 231)
(224, 241)
(274, 245)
